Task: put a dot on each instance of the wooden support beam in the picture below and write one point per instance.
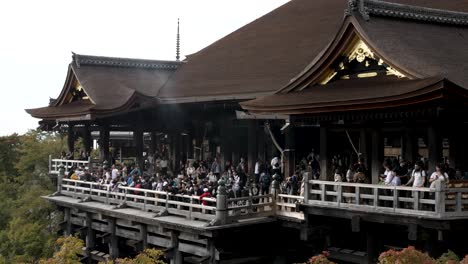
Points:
(409, 145)
(377, 154)
(113, 243)
(289, 151)
(412, 232)
(144, 235)
(87, 140)
(104, 135)
(251, 146)
(138, 138)
(226, 141)
(434, 146)
(90, 234)
(176, 254)
(371, 250)
(356, 223)
(324, 162)
(71, 140)
(67, 218)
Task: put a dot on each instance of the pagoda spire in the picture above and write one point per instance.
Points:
(178, 42)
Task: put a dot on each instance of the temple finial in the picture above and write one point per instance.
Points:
(178, 42)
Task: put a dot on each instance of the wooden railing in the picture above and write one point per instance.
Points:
(54, 164)
(439, 202)
(286, 206)
(250, 207)
(148, 200)
(190, 207)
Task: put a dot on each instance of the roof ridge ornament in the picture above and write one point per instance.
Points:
(387, 9)
(178, 41)
(357, 6)
(123, 62)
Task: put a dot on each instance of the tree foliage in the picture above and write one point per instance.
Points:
(147, 256)
(28, 224)
(70, 248)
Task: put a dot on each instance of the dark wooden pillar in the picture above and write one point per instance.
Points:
(90, 235)
(371, 247)
(71, 140)
(252, 146)
(177, 257)
(434, 147)
(113, 241)
(144, 236)
(87, 140)
(365, 145)
(172, 153)
(226, 142)
(104, 135)
(180, 150)
(261, 143)
(197, 140)
(325, 174)
(236, 146)
(138, 138)
(377, 154)
(153, 145)
(457, 144)
(189, 142)
(409, 145)
(68, 224)
(289, 151)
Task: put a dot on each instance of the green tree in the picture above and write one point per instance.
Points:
(28, 224)
(70, 249)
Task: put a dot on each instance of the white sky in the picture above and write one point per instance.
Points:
(37, 37)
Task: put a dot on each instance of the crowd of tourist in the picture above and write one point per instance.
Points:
(194, 177)
(200, 178)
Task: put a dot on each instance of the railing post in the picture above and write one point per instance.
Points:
(50, 164)
(275, 191)
(395, 198)
(190, 208)
(74, 190)
(415, 200)
(107, 194)
(459, 202)
(439, 198)
(144, 203)
(60, 175)
(306, 187)
(358, 195)
(89, 163)
(221, 217)
(339, 194)
(376, 197)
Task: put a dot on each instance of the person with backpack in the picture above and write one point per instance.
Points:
(265, 181)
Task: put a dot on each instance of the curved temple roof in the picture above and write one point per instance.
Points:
(112, 85)
(265, 55)
(424, 44)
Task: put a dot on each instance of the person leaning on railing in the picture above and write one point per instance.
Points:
(418, 176)
(438, 176)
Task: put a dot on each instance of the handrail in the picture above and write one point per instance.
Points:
(439, 202)
(192, 207)
(54, 164)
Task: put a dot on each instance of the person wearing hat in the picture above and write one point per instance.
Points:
(205, 193)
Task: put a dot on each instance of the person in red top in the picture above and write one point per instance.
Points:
(205, 193)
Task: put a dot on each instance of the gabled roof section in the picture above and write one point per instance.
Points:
(410, 41)
(111, 85)
(423, 50)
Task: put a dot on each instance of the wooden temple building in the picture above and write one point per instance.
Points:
(337, 77)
